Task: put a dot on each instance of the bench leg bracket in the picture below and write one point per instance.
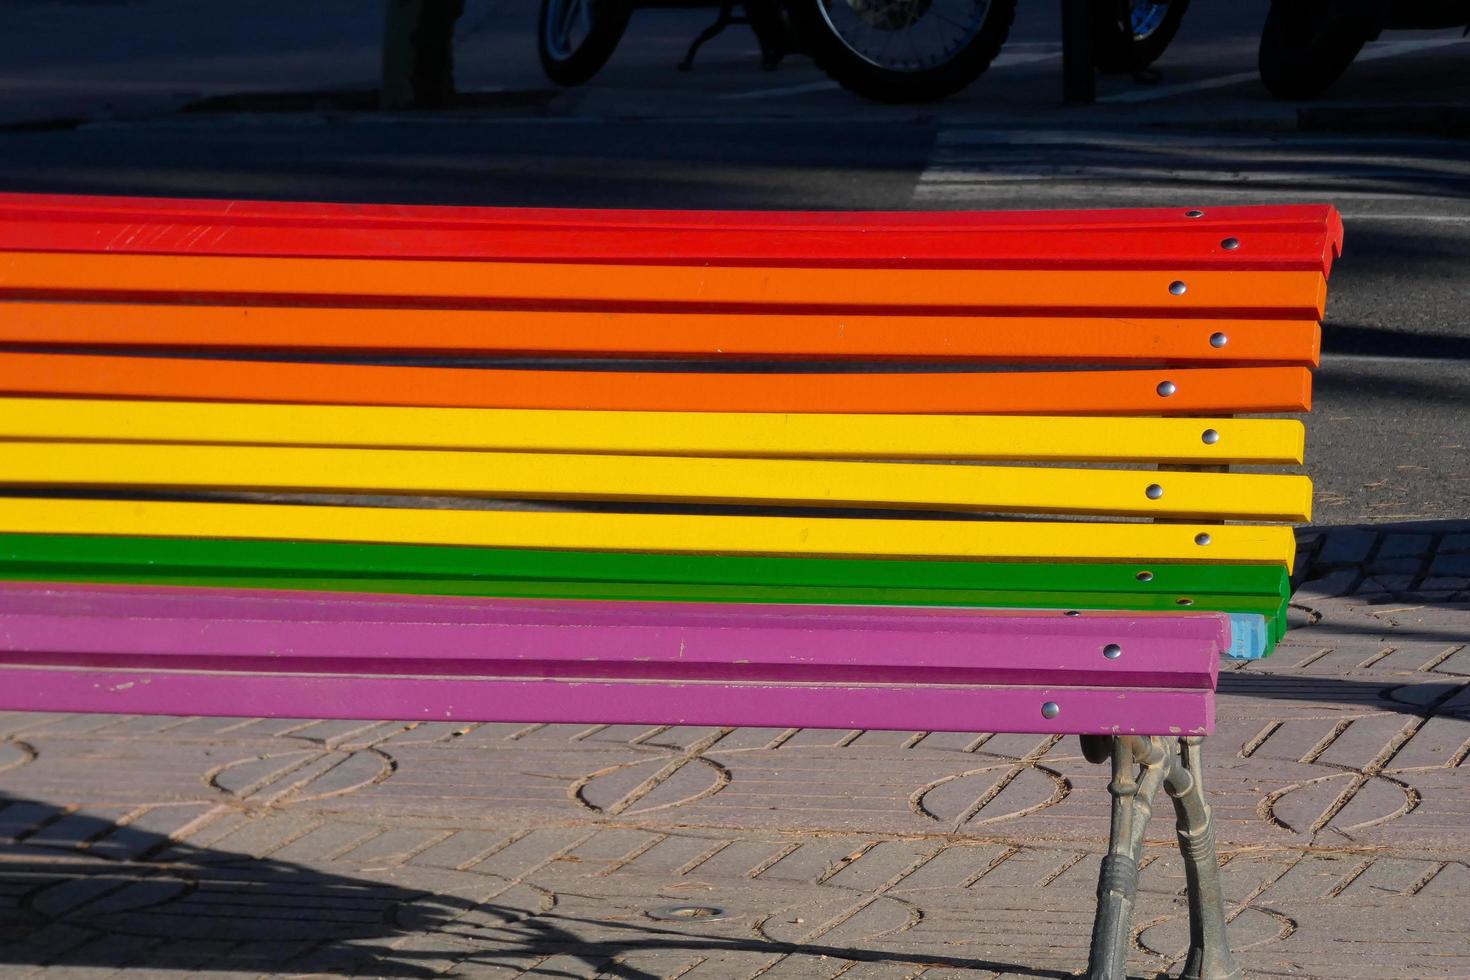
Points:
(1141, 766)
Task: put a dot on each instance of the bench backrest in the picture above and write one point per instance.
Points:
(698, 406)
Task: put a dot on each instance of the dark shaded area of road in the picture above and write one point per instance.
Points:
(169, 112)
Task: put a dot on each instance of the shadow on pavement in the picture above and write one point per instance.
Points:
(71, 906)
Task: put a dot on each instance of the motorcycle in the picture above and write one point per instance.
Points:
(1306, 45)
(886, 50)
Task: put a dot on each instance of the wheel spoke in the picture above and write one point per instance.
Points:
(568, 13)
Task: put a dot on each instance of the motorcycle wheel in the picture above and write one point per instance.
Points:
(903, 50)
(1307, 44)
(576, 37)
(1119, 46)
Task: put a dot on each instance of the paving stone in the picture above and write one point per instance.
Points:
(150, 830)
(20, 818)
(1395, 566)
(77, 828)
(1338, 583)
(1347, 547)
(685, 736)
(1438, 742)
(393, 846)
(955, 867)
(461, 849)
(530, 851)
(1457, 662)
(1404, 546)
(266, 834)
(948, 741)
(1451, 881)
(753, 738)
(808, 737)
(1450, 566)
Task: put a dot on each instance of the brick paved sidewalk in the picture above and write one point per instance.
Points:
(138, 847)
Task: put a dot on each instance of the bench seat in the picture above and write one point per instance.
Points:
(137, 650)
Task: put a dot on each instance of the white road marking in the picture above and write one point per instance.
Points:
(1024, 54)
(776, 93)
(1148, 94)
(1371, 52)
(1007, 58)
(977, 163)
(1454, 219)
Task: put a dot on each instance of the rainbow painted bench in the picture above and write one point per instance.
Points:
(857, 470)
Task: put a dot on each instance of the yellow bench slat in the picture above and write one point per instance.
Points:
(1018, 489)
(1182, 440)
(670, 533)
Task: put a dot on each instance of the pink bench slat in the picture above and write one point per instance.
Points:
(232, 652)
(1085, 710)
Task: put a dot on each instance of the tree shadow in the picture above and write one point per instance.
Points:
(75, 906)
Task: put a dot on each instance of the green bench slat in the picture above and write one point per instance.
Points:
(1273, 610)
(334, 559)
(425, 570)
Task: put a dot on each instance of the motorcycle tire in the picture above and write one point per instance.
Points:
(858, 73)
(567, 64)
(1120, 48)
(1306, 45)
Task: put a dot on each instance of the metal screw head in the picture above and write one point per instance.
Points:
(1178, 287)
(1112, 651)
(1145, 576)
(1154, 491)
(1182, 601)
(1194, 214)
(1230, 244)
(1166, 388)
(1050, 710)
(1209, 437)
(1218, 340)
(1071, 612)
(1202, 538)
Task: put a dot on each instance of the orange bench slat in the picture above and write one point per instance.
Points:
(728, 335)
(1190, 391)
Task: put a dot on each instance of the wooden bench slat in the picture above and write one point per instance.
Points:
(1259, 591)
(428, 562)
(517, 636)
(562, 476)
(662, 433)
(1265, 294)
(724, 658)
(893, 538)
(1141, 392)
(997, 339)
(1248, 642)
(1090, 710)
(227, 212)
(1181, 246)
(656, 592)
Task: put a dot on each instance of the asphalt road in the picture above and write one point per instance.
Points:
(1389, 434)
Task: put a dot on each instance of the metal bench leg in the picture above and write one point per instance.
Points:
(1139, 767)
(1209, 950)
